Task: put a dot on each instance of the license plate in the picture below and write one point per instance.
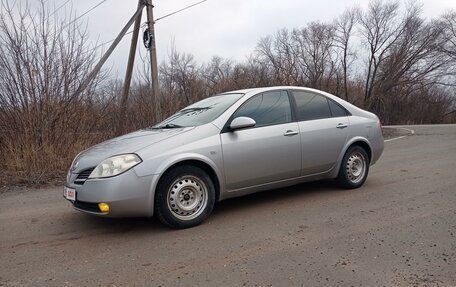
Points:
(69, 193)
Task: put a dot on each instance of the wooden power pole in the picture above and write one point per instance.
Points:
(128, 75)
(153, 62)
(108, 53)
(136, 18)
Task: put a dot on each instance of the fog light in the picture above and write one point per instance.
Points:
(104, 207)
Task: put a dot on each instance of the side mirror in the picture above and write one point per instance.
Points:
(242, 123)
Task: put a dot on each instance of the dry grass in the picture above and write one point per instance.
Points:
(25, 161)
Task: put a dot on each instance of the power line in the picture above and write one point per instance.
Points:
(110, 41)
(167, 15)
(85, 13)
(60, 7)
(180, 10)
(50, 15)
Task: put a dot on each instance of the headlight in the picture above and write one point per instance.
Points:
(115, 165)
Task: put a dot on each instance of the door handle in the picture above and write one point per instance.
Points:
(290, 133)
(341, 126)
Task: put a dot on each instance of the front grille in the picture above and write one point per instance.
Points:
(83, 175)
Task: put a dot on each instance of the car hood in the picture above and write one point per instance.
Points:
(129, 143)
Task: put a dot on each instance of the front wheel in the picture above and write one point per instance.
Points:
(185, 196)
(354, 168)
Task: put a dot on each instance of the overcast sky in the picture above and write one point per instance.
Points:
(229, 29)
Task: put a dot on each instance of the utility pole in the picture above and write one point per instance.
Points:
(105, 57)
(128, 75)
(153, 62)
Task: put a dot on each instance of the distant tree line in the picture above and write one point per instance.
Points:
(387, 58)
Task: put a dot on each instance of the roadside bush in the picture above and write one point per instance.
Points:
(43, 121)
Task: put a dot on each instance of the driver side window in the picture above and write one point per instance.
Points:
(271, 108)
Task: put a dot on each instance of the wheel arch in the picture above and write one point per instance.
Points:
(365, 146)
(357, 141)
(207, 167)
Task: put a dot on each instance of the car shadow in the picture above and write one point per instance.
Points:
(117, 225)
(222, 209)
(291, 193)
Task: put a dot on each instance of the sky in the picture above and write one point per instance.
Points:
(229, 29)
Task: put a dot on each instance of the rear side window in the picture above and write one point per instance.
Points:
(311, 106)
(336, 110)
(271, 108)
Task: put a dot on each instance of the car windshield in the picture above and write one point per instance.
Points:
(200, 113)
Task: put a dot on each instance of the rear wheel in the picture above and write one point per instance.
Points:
(354, 168)
(185, 196)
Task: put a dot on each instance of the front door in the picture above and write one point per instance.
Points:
(268, 152)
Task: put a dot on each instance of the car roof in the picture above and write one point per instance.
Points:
(264, 89)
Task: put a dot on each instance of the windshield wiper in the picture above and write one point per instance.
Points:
(189, 110)
(168, 126)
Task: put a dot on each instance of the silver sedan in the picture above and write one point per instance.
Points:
(225, 146)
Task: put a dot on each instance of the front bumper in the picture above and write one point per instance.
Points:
(127, 195)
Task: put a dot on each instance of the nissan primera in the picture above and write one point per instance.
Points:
(225, 146)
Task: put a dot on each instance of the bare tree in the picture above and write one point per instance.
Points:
(43, 59)
(411, 61)
(180, 78)
(278, 54)
(449, 26)
(253, 73)
(345, 25)
(449, 48)
(314, 46)
(414, 58)
(379, 27)
(217, 74)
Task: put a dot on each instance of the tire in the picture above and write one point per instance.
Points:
(354, 168)
(185, 197)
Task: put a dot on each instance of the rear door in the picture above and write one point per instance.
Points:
(323, 130)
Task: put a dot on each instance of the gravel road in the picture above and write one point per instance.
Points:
(399, 229)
